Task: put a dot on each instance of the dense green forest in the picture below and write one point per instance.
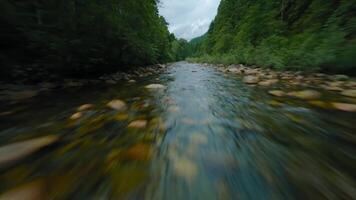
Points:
(282, 34)
(83, 36)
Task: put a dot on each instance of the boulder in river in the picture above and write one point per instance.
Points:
(155, 86)
(305, 94)
(117, 104)
(347, 107)
(349, 93)
(251, 79)
(16, 151)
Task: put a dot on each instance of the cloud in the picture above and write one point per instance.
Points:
(188, 18)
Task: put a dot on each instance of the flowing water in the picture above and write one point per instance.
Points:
(208, 136)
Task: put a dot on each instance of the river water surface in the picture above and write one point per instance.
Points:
(208, 136)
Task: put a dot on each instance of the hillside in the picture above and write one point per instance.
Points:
(287, 34)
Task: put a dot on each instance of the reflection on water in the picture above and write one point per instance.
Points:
(206, 135)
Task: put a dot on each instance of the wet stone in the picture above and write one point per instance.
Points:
(117, 104)
(138, 124)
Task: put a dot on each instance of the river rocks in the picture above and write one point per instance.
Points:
(85, 107)
(16, 151)
(132, 81)
(305, 94)
(117, 104)
(349, 93)
(277, 93)
(155, 86)
(138, 124)
(250, 79)
(344, 106)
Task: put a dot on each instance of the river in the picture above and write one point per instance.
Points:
(206, 135)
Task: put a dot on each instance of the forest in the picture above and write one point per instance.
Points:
(311, 35)
(83, 37)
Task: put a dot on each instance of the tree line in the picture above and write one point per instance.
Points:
(83, 36)
(282, 34)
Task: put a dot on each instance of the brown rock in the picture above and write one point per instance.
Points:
(85, 107)
(349, 93)
(306, 94)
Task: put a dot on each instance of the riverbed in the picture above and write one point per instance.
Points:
(199, 133)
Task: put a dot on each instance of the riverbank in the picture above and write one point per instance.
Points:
(23, 88)
(307, 86)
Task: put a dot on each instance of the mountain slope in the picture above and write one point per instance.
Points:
(287, 34)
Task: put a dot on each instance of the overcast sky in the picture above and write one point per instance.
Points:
(188, 18)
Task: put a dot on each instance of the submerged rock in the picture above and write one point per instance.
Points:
(250, 79)
(155, 86)
(138, 124)
(306, 94)
(117, 104)
(16, 151)
(344, 106)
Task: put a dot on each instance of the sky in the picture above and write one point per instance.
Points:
(188, 18)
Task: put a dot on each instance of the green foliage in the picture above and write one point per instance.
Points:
(287, 34)
(83, 36)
